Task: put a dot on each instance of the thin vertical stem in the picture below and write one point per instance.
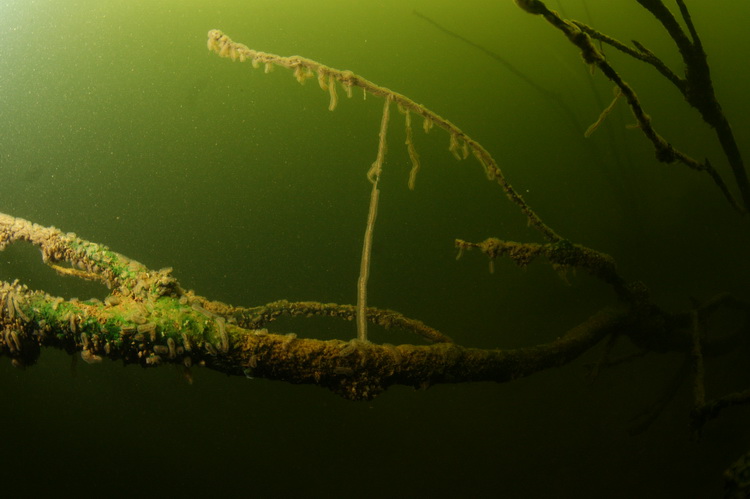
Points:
(364, 267)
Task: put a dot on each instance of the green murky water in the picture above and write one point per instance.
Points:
(118, 124)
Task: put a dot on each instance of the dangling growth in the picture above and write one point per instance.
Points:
(460, 145)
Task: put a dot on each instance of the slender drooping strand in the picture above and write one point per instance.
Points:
(364, 266)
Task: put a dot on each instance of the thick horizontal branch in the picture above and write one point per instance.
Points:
(170, 330)
(150, 320)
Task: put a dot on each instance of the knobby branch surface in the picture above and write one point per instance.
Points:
(563, 255)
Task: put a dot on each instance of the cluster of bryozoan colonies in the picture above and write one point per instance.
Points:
(140, 283)
(11, 300)
(98, 331)
(141, 340)
(18, 333)
(221, 44)
(222, 340)
(47, 239)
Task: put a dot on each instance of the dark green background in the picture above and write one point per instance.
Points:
(116, 123)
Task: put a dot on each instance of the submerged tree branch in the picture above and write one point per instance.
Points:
(562, 255)
(150, 320)
(698, 91)
(697, 88)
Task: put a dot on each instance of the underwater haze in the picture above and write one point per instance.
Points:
(119, 125)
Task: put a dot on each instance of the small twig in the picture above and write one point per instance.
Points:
(562, 255)
(691, 27)
(643, 420)
(554, 98)
(259, 317)
(603, 115)
(696, 357)
(603, 361)
(712, 409)
(624, 359)
(642, 54)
